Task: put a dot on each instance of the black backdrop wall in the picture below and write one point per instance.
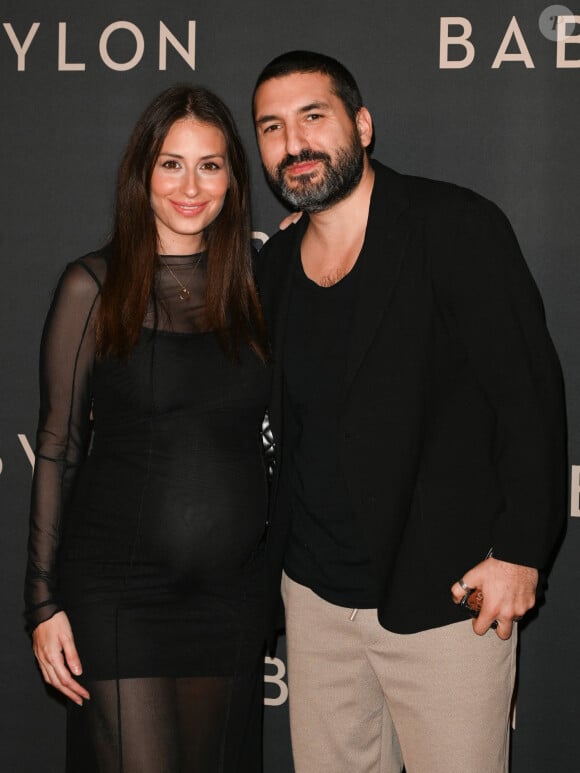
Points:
(481, 94)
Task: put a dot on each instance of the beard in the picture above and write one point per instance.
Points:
(337, 181)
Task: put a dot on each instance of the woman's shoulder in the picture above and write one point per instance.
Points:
(94, 264)
(84, 276)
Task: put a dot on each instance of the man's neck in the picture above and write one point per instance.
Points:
(334, 238)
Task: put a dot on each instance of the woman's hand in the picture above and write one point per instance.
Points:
(290, 219)
(54, 648)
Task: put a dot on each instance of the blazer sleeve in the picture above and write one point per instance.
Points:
(490, 301)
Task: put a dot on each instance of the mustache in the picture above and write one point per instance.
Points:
(304, 155)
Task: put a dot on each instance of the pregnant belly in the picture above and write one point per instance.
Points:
(180, 524)
(205, 526)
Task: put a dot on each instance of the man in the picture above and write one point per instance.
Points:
(418, 413)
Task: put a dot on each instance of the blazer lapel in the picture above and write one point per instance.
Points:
(381, 257)
(281, 304)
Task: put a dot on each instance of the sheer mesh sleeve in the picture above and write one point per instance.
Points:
(66, 363)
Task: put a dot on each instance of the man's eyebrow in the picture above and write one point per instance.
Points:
(266, 119)
(306, 109)
(314, 106)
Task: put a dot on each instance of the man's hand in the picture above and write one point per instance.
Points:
(509, 591)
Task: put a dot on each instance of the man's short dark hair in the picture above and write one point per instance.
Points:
(344, 85)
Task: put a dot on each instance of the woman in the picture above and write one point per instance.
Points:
(144, 582)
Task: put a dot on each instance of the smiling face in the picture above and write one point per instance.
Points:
(188, 185)
(312, 152)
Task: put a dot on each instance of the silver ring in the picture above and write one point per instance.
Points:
(465, 587)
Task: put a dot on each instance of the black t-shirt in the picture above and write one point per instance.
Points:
(326, 547)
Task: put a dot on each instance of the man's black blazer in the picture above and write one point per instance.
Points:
(452, 427)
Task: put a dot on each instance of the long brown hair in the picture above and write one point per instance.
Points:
(231, 302)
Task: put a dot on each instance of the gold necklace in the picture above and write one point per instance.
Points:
(184, 294)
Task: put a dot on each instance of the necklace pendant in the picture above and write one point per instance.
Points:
(184, 294)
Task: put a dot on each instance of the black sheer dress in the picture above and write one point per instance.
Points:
(152, 542)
